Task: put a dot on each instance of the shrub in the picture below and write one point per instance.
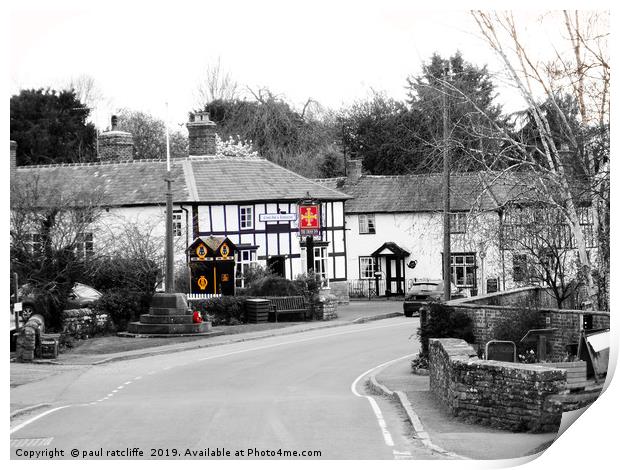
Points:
(226, 310)
(272, 285)
(135, 274)
(122, 306)
(444, 322)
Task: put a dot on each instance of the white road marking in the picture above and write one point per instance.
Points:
(32, 442)
(32, 420)
(373, 404)
(127, 383)
(26, 423)
(406, 455)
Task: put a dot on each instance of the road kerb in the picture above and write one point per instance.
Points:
(412, 416)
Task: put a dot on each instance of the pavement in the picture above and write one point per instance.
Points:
(444, 433)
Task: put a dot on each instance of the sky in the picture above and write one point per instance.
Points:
(142, 57)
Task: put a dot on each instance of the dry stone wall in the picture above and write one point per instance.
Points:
(499, 394)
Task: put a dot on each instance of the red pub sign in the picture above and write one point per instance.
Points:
(309, 220)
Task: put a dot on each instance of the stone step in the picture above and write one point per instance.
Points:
(170, 328)
(170, 311)
(162, 300)
(166, 319)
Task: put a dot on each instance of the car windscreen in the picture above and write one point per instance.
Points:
(84, 291)
(425, 286)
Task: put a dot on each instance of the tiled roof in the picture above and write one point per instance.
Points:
(424, 193)
(135, 182)
(208, 179)
(253, 179)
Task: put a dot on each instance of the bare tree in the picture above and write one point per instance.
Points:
(51, 237)
(216, 84)
(586, 78)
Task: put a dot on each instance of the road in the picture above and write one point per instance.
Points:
(288, 393)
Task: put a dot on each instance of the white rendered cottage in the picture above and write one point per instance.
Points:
(395, 228)
(250, 200)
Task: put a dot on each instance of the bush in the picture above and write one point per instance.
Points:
(272, 285)
(444, 322)
(226, 310)
(135, 274)
(122, 306)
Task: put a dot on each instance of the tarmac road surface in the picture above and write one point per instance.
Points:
(266, 398)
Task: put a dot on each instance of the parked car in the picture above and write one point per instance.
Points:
(81, 296)
(424, 292)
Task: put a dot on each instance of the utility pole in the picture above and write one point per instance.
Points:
(447, 277)
(169, 249)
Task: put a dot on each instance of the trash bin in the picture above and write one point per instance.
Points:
(257, 310)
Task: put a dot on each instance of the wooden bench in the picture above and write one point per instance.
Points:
(288, 305)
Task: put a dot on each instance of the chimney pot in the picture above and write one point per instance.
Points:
(201, 134)
(115, 145)
(354, 171)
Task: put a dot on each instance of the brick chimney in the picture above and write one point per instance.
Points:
(115, 145)
(13, 159)
(354, 171)
(201, 134)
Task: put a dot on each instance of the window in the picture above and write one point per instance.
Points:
(519, 265)
(245, 259)
(463, 266)
(84, 244)
(458, 222)
(320, 261)
(368, 267)
(587, 226)
(33, 243)
(246, 217)
(177, 223)
(367, 223)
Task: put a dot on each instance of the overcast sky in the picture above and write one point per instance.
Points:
(143, 54)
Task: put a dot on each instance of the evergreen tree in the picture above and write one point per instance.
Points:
(50, 127)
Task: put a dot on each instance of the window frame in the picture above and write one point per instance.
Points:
(458, 222)
(245, 222)
(243, 264)
(372, 265)
(465, 266)
(177, 223)
(365, 223)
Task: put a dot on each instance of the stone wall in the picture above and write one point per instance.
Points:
(499, 394)
(325, 305)
(340, 289)
(28, 338)
(83, 322)
(486, 310)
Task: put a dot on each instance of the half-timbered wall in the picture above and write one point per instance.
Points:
(270, 239)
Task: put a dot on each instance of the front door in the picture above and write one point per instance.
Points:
(394, 276)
